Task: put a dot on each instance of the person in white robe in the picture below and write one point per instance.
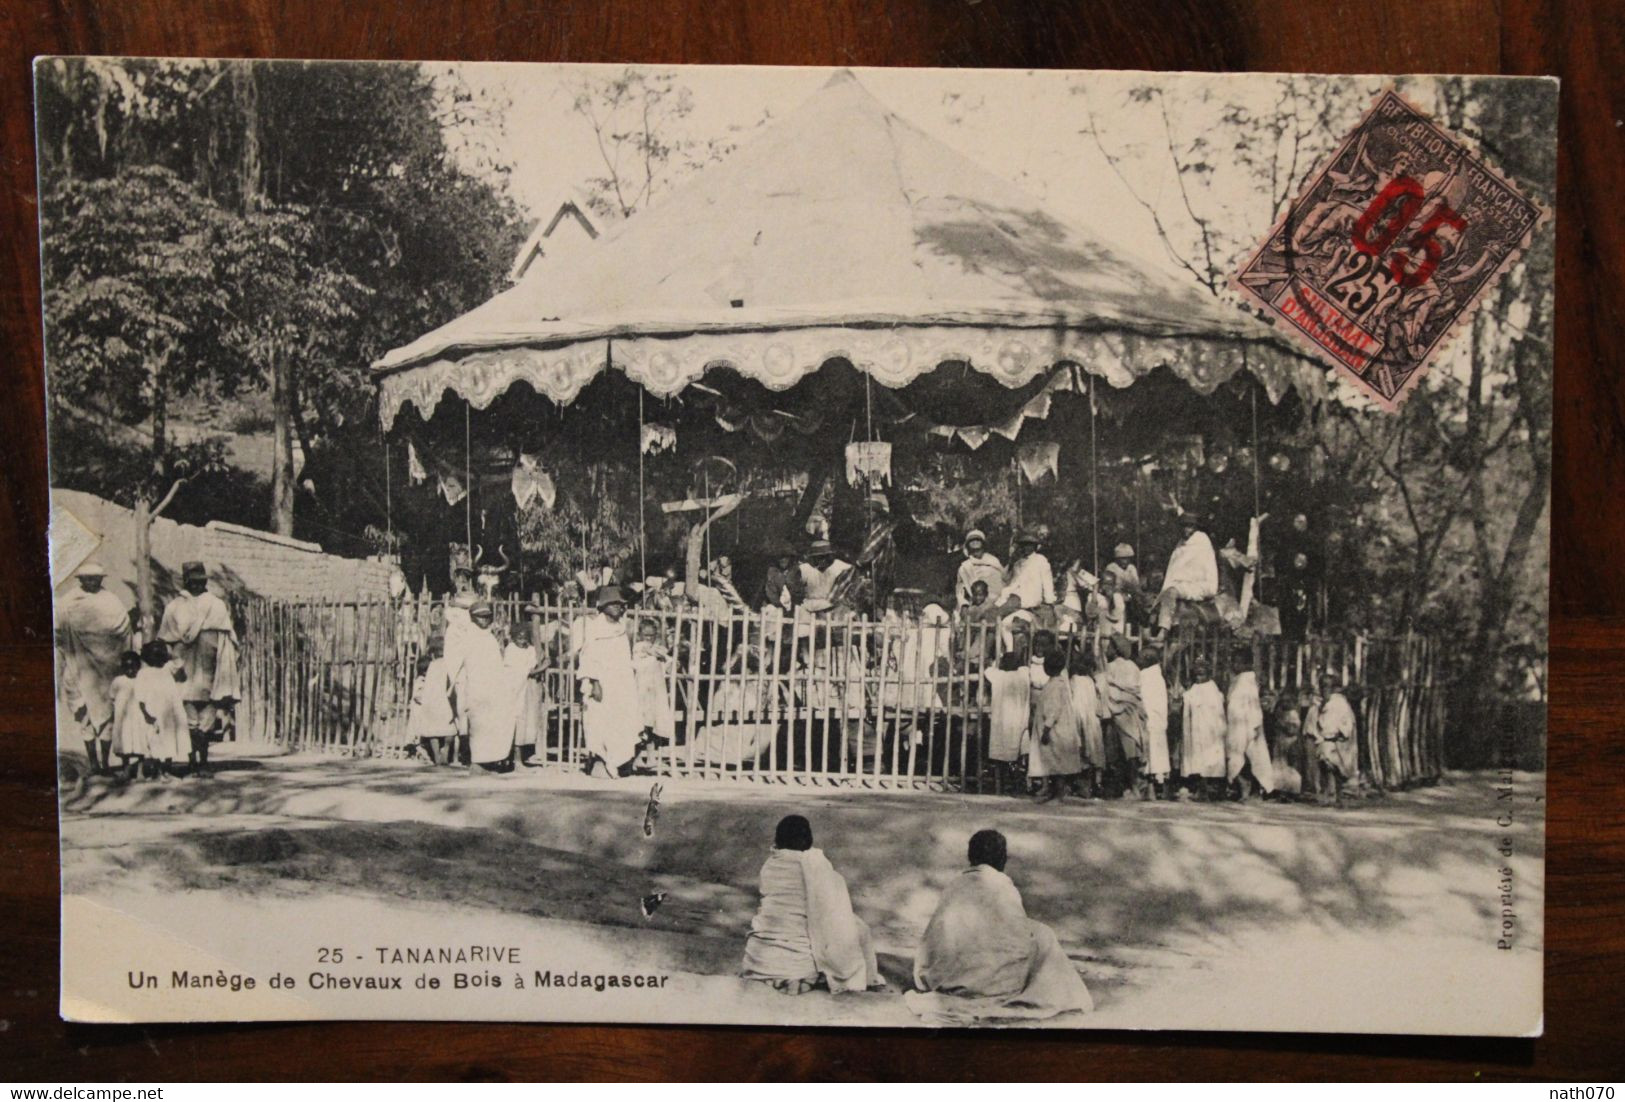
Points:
(805, 934)
(983, 959)
(128, 733)
(1056, 755)
(1120, 693)
(92, 636)
(485, 698)
(819, 575)
(1009, 711)
(525, 669)
(1122, 571)
(165, 729)
(1193, 571)
(1154, 696)
(202, 639)
(1078, 594)
(432, 722)
(651, 661)
(1336, 735)
(610, 719)
(1244, 743)
(1086, 705)
(979, 565)
(1030, 583)
(1204, 730)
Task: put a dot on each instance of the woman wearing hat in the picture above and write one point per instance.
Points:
(610, 718)
(979, 564)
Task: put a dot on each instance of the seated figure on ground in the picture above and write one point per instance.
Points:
(983, 959)
(805, 934)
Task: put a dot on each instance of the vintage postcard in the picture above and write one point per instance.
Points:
(796, 546)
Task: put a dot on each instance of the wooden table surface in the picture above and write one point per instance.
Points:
(1585, 921)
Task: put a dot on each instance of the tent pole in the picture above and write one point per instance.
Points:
(1094, 481)
(1258, 492)
(642, 542)
(468, 483)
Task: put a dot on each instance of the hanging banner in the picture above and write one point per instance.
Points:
(868, 461)
(974, 436)
(452, 488)
(531, 483)
(1037, 460)
(654, 439)
(1066, 379)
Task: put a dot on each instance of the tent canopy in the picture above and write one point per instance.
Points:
(840, 232)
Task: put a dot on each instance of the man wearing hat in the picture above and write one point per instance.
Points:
(92, 634)
(1193, 570)
(610, 718)
(1031, 581)
(202, 641)
(486, 701)
(783, 588)
(979, 564)
(820, 573)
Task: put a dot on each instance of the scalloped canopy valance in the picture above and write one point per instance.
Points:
(839, 233)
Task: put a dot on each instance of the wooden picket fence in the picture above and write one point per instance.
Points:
(829, 700)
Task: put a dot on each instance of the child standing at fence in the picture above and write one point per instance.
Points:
(127, 739)
(524, 670)
(432, 724)
(156, 697)
(1086, 705)
(1204, 726)
(1056, 756)
(1335, 735)
(650, 661)
(1011, 689)
(1154, 695)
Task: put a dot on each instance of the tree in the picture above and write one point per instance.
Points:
(132, 304)
(637, 118)
(1465, 466)
(342, 172)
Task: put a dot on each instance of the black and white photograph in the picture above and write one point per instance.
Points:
(799, 546)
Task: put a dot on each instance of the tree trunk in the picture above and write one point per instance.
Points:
(143, 567)
(281, 447)
(160, 419)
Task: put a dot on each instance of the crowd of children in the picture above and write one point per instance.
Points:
(1058, 725)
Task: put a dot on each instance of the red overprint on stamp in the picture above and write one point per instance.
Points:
(1388, 248)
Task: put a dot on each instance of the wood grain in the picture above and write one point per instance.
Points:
(1585, 961)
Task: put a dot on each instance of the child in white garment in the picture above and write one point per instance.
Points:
(1011, 688)
(650, 661)
(432, 724)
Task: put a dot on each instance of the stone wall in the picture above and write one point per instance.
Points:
(240, 560)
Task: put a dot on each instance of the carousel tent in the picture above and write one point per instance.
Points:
(841, 232)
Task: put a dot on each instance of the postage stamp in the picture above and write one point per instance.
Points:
(1389, 247)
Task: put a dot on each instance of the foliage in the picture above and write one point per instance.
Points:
(1450, 532)
(322, 207)
(637, 117)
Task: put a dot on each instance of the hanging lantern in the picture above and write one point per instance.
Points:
(868, 462)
